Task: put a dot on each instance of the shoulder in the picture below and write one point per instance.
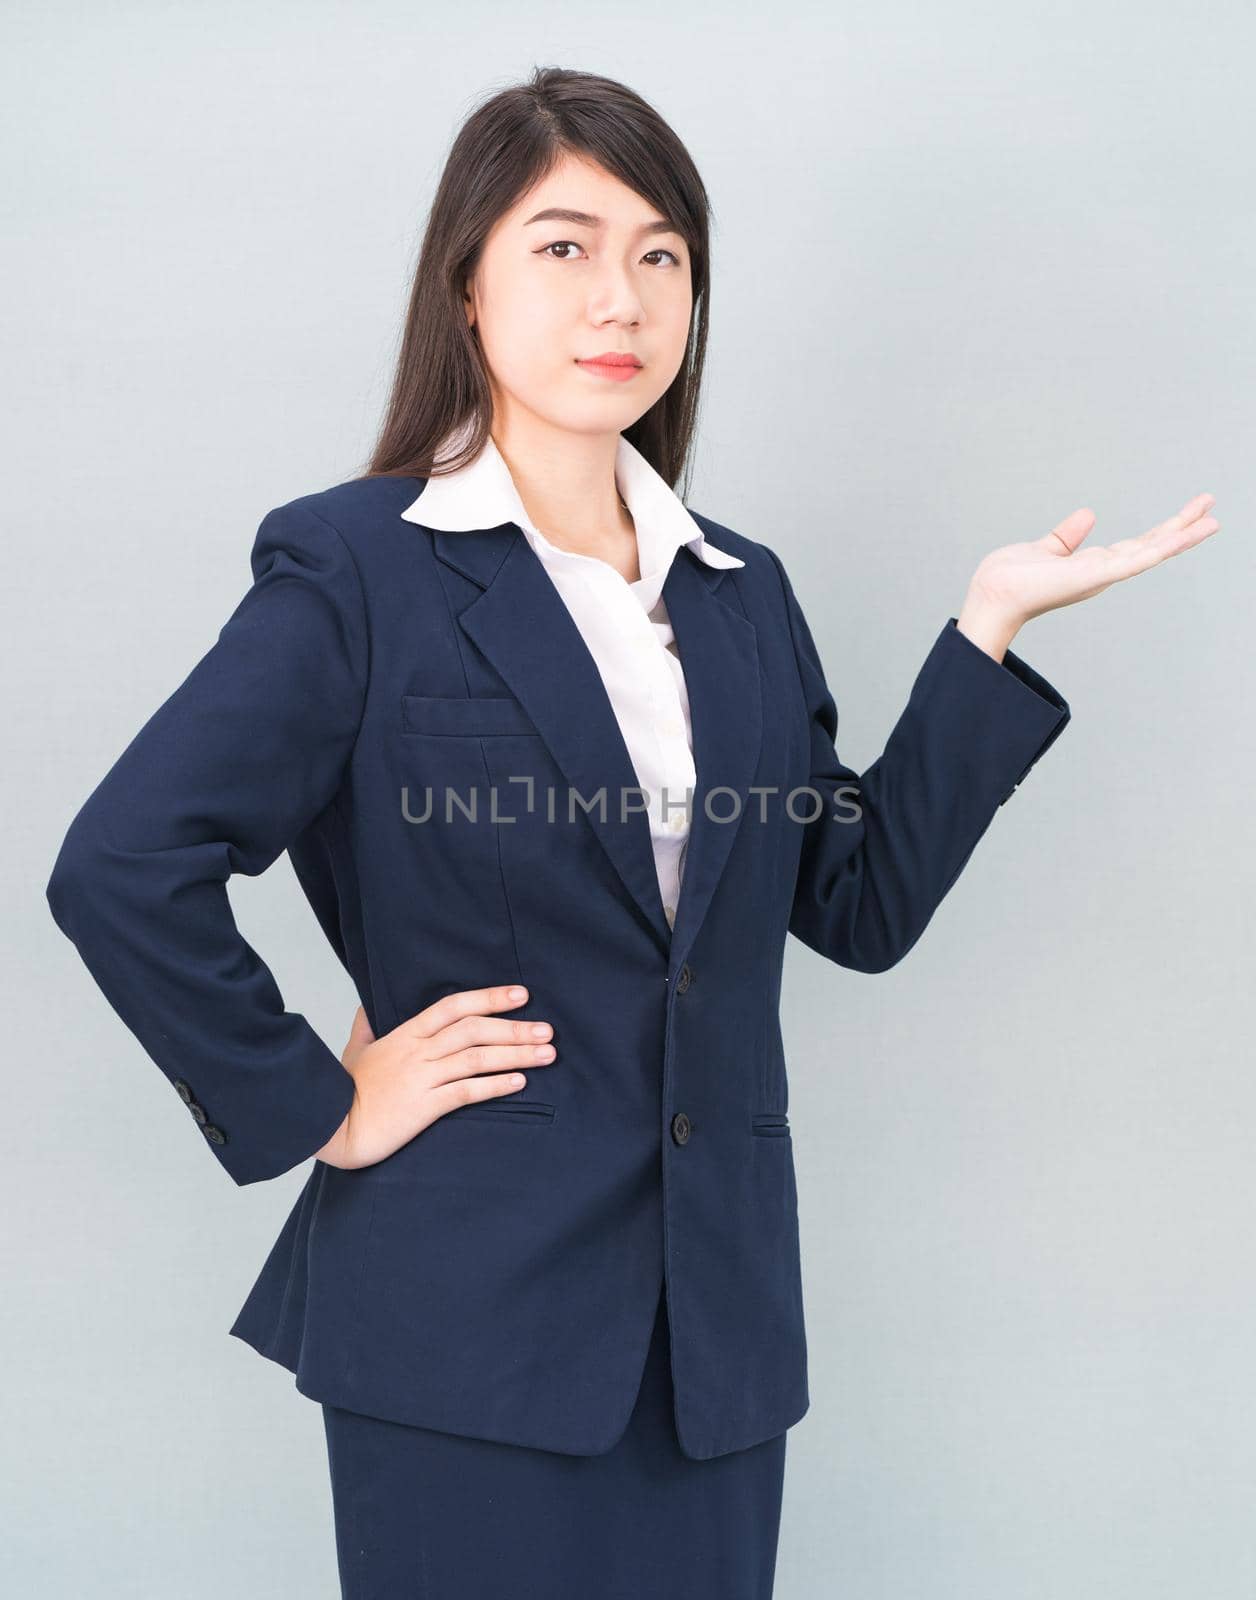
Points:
(763, 565)
(356, 525)
(355, 507)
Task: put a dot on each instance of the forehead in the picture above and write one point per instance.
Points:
(577, 183)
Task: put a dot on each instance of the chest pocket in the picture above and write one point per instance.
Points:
(477, 716)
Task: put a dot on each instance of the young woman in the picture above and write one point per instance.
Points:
(553, 758)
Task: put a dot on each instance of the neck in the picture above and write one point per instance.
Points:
(567, 484)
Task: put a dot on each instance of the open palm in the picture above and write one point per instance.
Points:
(1024, 580)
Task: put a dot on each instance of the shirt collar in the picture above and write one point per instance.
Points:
(482, 494)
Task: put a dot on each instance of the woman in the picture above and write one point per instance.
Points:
(553, 758)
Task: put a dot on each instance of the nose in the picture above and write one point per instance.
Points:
(615, 298)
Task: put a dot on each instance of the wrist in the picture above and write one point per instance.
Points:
(333, 1151)
(989, 626)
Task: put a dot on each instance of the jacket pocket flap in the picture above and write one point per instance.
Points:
(534, 1112)
(770, 1122)
(470, 716)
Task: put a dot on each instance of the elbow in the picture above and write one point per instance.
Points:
(856, 937)
(880, 945)
(88, 874)
(850, 957)
(77, 867)
(871, 958)
(870, 965)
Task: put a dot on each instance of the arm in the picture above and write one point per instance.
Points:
(888, 844)
(240, 759)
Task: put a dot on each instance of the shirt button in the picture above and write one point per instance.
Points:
(681, 1128)
(677, 822)
(670, 913)
(683, 978)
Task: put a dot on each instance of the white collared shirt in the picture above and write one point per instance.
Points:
(625, 625)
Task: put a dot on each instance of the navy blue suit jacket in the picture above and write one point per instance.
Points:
(499, 1274)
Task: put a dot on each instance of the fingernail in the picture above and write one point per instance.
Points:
(518, 994)
(541, 1030)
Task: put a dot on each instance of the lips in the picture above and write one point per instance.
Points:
(616, 366)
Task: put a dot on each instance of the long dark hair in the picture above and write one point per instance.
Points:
(507, 144)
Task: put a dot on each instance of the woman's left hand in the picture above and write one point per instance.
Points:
(1020, 581)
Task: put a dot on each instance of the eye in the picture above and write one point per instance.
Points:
(559, 244)
(570, 244)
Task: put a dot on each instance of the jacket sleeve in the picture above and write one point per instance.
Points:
(239, 760)
(882, 851)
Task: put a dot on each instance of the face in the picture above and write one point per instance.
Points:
(581, 266)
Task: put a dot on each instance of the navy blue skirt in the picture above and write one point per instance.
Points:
(427, 1515)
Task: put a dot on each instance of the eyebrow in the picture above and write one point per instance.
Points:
(582, 219)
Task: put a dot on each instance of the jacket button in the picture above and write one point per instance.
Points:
(213, 1133)
(198, 1112)
(185, 1092)
(683, 978)
(681, 1128)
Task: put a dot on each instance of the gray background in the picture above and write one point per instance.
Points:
(975, 266)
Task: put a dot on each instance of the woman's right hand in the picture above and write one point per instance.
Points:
(447, 1056)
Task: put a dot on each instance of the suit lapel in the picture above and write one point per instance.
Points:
(522, 626)
(719, 652)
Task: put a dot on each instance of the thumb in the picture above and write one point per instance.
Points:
(360, 1035)
(1065, 537)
